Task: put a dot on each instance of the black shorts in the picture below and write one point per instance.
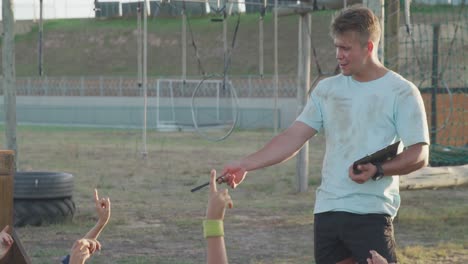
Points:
(340, 235)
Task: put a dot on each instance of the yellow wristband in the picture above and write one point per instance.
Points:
(213, 228)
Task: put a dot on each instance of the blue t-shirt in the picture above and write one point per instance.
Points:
(359, 118)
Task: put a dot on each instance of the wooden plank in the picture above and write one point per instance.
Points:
(17, 254)
(435, 177)
(6, 164)
(6, 187)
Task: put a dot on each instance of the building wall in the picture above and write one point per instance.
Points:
(52, 9)
(60, 9)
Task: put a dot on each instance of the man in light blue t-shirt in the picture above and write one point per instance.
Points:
(365, 108)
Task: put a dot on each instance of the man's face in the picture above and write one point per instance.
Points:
(351, 55)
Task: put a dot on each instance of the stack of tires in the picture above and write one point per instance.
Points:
(42, 198)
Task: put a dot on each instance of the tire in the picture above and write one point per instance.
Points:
(42, 185)
(43, 211)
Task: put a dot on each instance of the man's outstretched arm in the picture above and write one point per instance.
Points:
(280, 148)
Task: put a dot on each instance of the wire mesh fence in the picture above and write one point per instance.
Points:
(246, 86)
(433, 54)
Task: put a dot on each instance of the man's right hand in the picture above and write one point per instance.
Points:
(234, 174)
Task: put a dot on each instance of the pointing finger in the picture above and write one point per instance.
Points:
(96, 196)
(213, 187)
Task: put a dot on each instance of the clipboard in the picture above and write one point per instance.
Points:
(387, 153)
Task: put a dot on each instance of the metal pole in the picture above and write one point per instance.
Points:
(139, 47)
(96, 9)
(184, 44)
(434, 81)
(300, 60)
(41, 29)
(408, 16)
(225, 44)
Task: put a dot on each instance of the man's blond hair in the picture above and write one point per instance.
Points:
(357, 19)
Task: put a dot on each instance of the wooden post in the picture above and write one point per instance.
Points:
(377, 6)
(7, 170)
(260, 39)
(434, 81)
(9, 76)
(302, 160)
(146, 10)
(275, 67)
(392, 25)
(17, 253)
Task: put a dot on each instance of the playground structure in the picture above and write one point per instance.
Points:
(425, 56)
(16, 254)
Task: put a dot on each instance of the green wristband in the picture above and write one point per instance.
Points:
(213, 228)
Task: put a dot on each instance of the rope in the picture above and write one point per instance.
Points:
(197, 55)
(233, 43)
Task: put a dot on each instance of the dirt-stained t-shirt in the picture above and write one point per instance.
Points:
(359, 118)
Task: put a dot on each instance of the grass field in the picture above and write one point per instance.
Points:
(155, 218)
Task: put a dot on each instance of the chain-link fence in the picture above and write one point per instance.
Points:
(246, 86)
(434, 55)
(99, 56)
